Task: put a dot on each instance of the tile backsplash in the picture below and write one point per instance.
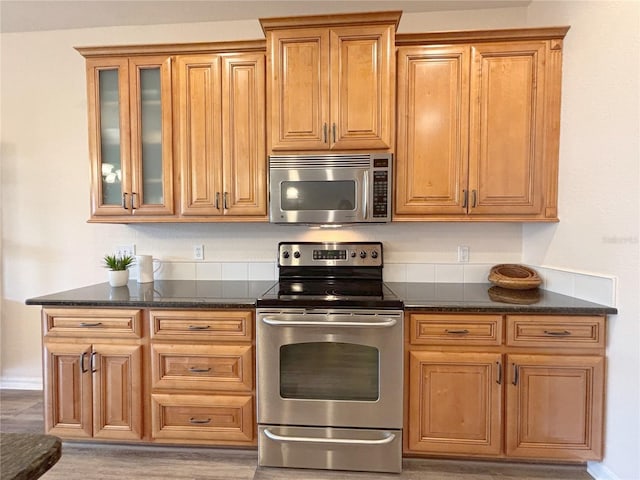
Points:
(587, 286)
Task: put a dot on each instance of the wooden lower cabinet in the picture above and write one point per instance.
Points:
(537, 394)
(202, 377)
(555, 406)
(205, 419)
(456, 401)
(155, 376)
(93, 390)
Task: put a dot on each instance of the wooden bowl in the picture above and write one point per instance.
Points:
(514, 277)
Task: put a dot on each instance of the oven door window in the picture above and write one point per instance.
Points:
(318, 195)
(329, 371)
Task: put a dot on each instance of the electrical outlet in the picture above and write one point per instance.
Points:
(463, 254)
(198, 252)
(124, 250)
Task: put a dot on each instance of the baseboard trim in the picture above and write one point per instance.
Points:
(34, 383)
(600, 472)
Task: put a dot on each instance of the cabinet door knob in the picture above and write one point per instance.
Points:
(333, 128)
(324, 132)
(515, 374)
(499, 373)
(225, 203)
(465, 197)
(124, 200)
(217, 200)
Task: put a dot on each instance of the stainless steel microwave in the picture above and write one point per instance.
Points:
(330, 189)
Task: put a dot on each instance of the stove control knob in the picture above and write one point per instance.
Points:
(363, 254)
(353, 253)
(296, 254)
(285, 254)
(374, 254)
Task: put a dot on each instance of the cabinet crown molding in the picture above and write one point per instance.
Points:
(465, 36)
(348, 19)
(173, 48)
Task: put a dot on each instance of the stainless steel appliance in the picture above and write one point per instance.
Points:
(330, 189)
(329, 361)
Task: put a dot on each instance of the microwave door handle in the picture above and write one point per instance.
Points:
(365, 196)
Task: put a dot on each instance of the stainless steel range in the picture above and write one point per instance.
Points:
(329, 361)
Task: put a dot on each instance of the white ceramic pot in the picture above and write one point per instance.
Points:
(118, 278)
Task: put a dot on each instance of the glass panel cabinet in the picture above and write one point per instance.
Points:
(130, 136)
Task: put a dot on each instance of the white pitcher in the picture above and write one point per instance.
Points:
(147, 266)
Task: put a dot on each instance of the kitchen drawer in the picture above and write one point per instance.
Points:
(202, 367)
(203, 419)
(93, 322)
(218, 325)
(557, 331)
(438, 329)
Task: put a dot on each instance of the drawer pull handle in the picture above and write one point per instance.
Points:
(87, 324)
(195, 421)
(457, 332)
(199, 327)
(199, 370)
(555, 333)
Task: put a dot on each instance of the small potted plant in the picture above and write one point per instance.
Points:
(118, 269)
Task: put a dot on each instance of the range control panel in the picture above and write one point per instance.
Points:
(331, 254)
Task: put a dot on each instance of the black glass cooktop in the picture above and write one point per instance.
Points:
(330, 293)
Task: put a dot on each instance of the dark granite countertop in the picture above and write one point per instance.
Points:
(161, 294)
(26, 456)
(433, 297)
(484, 298)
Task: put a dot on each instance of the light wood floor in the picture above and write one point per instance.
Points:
(21, 411)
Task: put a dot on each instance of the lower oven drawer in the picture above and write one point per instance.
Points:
(330, 448)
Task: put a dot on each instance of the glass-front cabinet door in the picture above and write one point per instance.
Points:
(130, 136)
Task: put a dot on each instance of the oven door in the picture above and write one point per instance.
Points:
(330, 368)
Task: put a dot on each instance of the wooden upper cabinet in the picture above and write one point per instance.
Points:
(506, 124)
(130, 135)
(331, 82)
(299, 88)
(433, 129)
(221, 127)
(194, 112)
(478, 125)
(199, 134)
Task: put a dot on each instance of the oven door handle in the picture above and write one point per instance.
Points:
(344, 441)
(390, 322)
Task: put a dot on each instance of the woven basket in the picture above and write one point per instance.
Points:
(514, 277)
(519, 297)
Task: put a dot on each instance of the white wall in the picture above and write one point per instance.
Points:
(47, 245)
(598, 196)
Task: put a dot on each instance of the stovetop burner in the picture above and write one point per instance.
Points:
(318, 275)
